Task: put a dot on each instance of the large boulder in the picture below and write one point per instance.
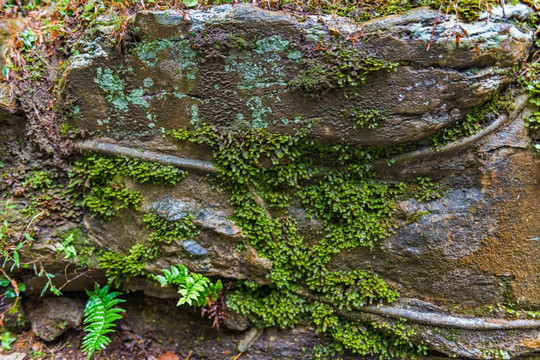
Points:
(389, 81)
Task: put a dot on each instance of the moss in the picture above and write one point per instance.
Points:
(265, 173)
(427, 190)
(165, 231)
(364, 118)
(530, 81)
(118, 266)
(99, 181)
(37, 180)
(476, 120)
(337, 66)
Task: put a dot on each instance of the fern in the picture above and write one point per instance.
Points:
(195, 289)
(100, 315)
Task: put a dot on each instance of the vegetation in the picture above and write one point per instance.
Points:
(194, 289)
(531, 83)
(476, 120)
(100, 314)
(102, 180)
(12, 239)
(337, 67)
(265, 173)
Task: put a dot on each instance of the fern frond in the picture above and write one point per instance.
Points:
(100, 315)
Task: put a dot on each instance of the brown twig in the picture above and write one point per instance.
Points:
(434, 26)
(237, 356)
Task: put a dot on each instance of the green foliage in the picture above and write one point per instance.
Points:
(265, 173)
(466, 10)
(165, 231)
(67, 247)
(359, 10)
(195, 289)
(476, 120)
(119, 266)
(13, 238)
(7, 339)
(530, 81)
(363, 339)
(100, 314)
(337, 66)
(101, 181)
(270, 307)
(37, 180)
(76, 247)
(364, 118)
(10, 291)
(427, 190)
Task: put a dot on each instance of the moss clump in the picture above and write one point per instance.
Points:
(359, 10)
(100, 181)
(337, 67)
(119, 266)
(38, 180)
(531, 83)
(427, 190)
(265, 173)
(165, 231)
(476, 120)
(364, 118)
(466, 10)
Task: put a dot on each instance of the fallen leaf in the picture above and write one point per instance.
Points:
(168, 356)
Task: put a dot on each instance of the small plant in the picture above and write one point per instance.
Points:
(7, 339)
(427, 190)
(100, 179)
(100, 314)
(195, 289)
(68, 248)
(12, 240)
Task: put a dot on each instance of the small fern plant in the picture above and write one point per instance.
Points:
(100, 314)
(195, 289)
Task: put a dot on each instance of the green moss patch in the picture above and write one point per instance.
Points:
(100, 181)
(266, 173)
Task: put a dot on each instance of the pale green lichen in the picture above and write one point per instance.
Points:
(148, 82)
(194, 114)
(258, 112)
(271, 44)
(179, 95)
(180, 51)
(136, 98)
(114, 88)
(294, 55)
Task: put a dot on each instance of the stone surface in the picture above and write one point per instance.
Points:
(233, 67)
(52, 316)
(14, 356)
(213, 252)
(463, 247)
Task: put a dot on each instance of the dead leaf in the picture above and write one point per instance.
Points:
(168, 356)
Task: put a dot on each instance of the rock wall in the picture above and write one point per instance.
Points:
(460, 245)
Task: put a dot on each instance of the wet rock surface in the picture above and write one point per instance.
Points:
(52, 316)
(240, 67)
(237, 66)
